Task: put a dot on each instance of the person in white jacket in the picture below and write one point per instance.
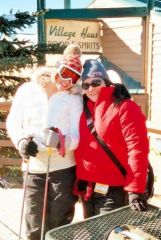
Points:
(26, 122)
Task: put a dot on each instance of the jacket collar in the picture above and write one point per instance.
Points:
(106, 94)
(105, 98)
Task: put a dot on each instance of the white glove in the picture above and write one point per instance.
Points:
(51, 138)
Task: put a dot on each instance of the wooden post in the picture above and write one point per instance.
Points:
(148, 61)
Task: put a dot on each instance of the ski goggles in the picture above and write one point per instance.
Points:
(66, 73)
(94, 83)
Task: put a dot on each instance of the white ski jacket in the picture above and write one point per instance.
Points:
(29, 116)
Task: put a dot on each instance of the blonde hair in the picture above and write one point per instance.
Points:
(45, 70)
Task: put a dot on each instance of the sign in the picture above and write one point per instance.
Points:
(85, 34)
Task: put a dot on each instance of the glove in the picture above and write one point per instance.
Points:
(137, 201)
(84, 189)
(51, 138)
(27, 147)
(55, 139)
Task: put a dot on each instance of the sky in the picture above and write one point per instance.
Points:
(31, 6)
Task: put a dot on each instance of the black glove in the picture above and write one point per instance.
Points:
(27, 147)
(137, 201)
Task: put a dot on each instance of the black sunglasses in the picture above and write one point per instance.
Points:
(94, 83)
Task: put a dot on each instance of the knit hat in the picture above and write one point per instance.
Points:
(71, 61)
(72, 49)
(93, 68)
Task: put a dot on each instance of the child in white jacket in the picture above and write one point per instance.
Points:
(65, 106)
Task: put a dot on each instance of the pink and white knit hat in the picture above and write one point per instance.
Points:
(71, 61)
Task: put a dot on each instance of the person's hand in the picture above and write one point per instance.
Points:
(27, 147)
(51, 138)
(137, 201)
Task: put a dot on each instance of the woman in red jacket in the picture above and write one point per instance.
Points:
(120, 123)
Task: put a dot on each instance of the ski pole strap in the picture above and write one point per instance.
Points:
(61, 144)
(90, 124)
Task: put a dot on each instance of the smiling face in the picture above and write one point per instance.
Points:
(66, 77)
(92, 87)
(62, 84)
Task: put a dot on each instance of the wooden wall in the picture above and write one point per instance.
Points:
(155, 101)
(134, 44)
(142, 101)
(123, 41)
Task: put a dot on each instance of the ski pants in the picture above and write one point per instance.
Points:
(99, 203)
(60, 202)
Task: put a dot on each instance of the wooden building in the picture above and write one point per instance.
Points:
(130, 39)
(134, 45)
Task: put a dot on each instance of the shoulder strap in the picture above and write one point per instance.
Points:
(108, 151)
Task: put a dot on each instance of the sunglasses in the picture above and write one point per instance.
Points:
(66, 73)
(94, 83)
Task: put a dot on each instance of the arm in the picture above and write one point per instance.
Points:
(64, 114)
(133, 126)
(72, 139)
(14, 123)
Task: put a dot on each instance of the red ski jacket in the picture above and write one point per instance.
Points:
(123, 128)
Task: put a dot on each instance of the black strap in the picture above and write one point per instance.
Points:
(90, 125)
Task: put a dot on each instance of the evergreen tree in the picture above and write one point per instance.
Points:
(16, 55)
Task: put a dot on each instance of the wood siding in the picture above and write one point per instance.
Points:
(122, 44)
(155, 104)
(123, 40)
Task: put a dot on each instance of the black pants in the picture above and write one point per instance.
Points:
(99, 203)
(60, 204)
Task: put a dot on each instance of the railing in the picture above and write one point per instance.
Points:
(153, 129)
(5, 106)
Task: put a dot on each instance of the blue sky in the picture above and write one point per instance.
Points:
(31, 6)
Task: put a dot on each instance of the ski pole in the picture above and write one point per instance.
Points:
(24, 196)
(45, 195)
